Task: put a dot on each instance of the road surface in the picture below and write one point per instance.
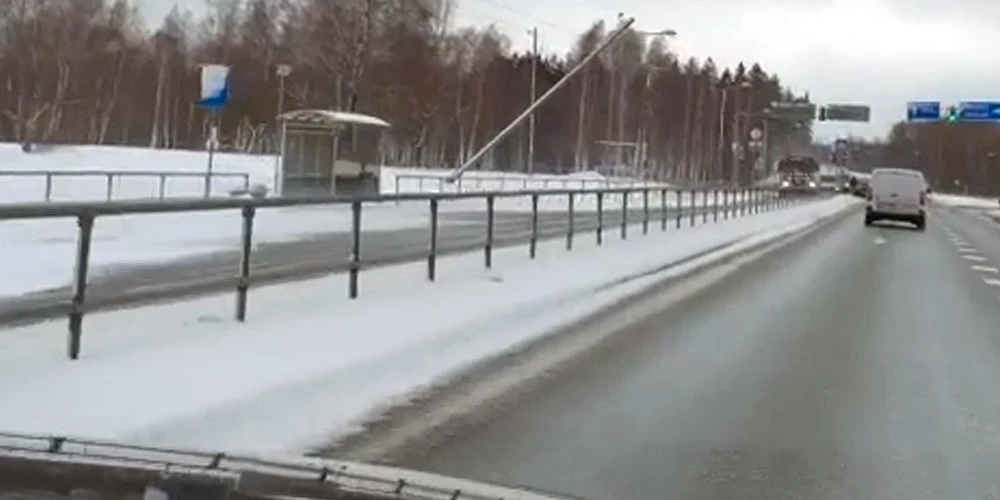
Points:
(861, 363)
(458, 232)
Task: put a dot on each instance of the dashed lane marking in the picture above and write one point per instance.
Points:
(991, 281)
(974, 258)
(986, 269)
(967, 250)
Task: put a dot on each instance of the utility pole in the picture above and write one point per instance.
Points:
(531, 117)
(721, 158)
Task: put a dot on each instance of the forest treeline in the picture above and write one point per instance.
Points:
(94, 72)
(958, 157)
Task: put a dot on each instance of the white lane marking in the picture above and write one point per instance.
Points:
(991, 281)
(974, 258)
(879, 240)
(986, 269)
(967, 250)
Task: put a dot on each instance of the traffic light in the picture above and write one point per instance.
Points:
(952, 114)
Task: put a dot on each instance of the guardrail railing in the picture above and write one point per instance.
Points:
(57, 461)
(161, 176)
(440, 183)
(662, 204)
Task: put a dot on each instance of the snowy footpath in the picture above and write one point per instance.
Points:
(309, 364)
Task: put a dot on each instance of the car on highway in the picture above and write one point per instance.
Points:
(857, 186)
(897, 194)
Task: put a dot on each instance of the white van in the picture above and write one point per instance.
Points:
(898, 194)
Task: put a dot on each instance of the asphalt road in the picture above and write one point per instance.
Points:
(861, 363)
(273, 262)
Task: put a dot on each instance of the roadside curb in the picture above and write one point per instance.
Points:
(403, 433)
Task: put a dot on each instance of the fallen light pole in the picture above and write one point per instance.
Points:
(544, 97)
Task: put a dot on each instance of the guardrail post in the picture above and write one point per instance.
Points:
(110, 186)
(355, 265)
(694, 211)
(48, 187)
(680, 206)
(645, 210)
(704, 207)
(624, 223)
(743, 203)
(243, 283)
(725, 203)
(600, 218)
(571, 219)
(85, 223)
(432, 251)
(663, 209)
(490, 213)
(715, 205)
(533, 242)
(162, 186)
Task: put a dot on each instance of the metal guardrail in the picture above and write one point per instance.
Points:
(734, 202)
(53, 460)
(470, 184)
(162, 177)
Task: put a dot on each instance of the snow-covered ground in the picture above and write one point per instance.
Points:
(955, 200)
(38, 254)
(310, 364)
(259, 169)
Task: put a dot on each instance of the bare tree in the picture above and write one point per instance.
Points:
(86, 71)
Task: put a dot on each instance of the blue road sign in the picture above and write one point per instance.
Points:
(979, 111)
(214, 86)
(923, 111)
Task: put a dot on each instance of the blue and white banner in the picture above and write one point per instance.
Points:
(214, 86)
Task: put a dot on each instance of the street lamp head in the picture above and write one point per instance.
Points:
(666, 32)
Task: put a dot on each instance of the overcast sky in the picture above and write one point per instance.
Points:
(877, 52)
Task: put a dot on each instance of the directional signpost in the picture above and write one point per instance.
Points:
(846, 113)
(214, 97)
(793, 111)
(979, 111)
(923, 111)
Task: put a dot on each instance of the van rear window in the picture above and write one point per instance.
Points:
(899, 179)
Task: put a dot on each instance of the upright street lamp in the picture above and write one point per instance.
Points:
(642, 141)
(282, 72)
(737, 145)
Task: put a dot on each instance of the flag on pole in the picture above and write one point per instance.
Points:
(214, 86)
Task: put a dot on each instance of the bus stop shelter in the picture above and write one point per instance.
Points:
(329, 152)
